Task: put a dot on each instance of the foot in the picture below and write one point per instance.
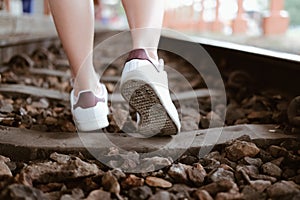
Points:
(89, 108)
(144, 84)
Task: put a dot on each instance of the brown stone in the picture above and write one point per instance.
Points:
(202, 195)
(110, 183)
(132, 181)
(240, 149)
(271, 169)
(219, 186)
(260, 185)
(196, 174)
(157, 182)
(4, 170)
(178, 173)
(99, 194)
(282, 188)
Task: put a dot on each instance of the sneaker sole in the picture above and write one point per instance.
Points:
(155, 120)
(91, 125)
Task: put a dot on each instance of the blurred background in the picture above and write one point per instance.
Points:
(270, 24)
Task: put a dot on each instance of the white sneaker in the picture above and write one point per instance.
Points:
(90, 110)
(144, 84)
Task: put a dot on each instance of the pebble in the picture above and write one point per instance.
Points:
(4, 170)
(49, 171)
(132, 181)
(196, 174)
(157, 182)
(178, 173)
(221, 174)
(251, 193)
(18, 191)
(110, 183)
(271, 169)
(260, 185)
(161, 195)
(277, 151)
(240, 149)
(229, 196)
(282, 188)
(202, 195)
(252, 161)
(138, 193)
(219, 186)
(99, 194)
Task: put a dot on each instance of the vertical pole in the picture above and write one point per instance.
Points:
(46, 8)
(277, 22)
(217, 25)
(239, 24)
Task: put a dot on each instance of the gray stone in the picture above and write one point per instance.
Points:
(49, 171)
(219, 186)
(178, 173)
(222, 174)
(4, 170)
(99, 194)
(271, 169)
(252, 161)
(139, 193)
(161, 195)
(282, 188)
(22, 192)
(240, 149)
(260, 185)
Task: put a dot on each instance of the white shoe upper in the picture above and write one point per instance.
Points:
(90, 109)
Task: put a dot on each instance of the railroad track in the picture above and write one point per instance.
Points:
(35, 118)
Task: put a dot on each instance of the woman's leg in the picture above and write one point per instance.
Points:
(74, 20)
(145, 18)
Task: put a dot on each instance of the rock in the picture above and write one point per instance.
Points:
(188, 160)
(118, 173)
(49, 171)
(240, 149)
(221, 174)
(158, 161)
(252, 161)
(120, 117)
(219, 186)
(282, 188)
(132, 181)
(76, 195)
(6, 107)
(296, 179)
(50, 121)
(260, 185)
(271, 169)
(157, 182)
(229, 196)
(178, 173)
(22, 192)
(288, 173)
(202, 195)
(60, 158)
(110, 183)
(250, 193)
(4, 170)
(277, 151)
(138, 193)
(189, 124)
(99, 194)
(278, 161)
(265, 156)
(262, 116)
(234, 113)
(196, 174)
(161, 195)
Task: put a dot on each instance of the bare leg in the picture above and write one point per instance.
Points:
(74, 20)
(145, 18)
